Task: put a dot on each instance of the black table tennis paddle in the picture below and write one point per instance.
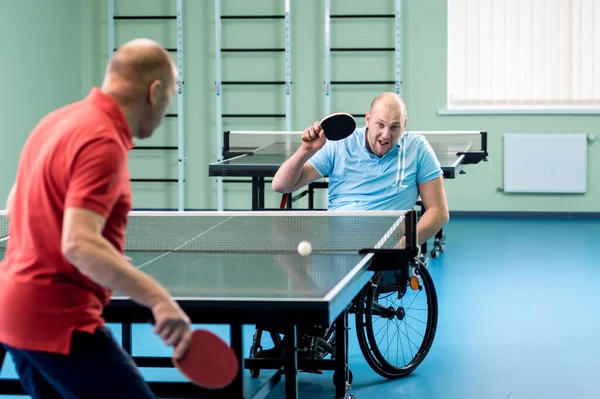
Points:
(337, 126)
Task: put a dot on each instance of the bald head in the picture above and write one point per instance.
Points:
(142, 78)
(138, 63)
(390, 100)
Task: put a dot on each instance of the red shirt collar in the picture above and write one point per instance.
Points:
(112, 109)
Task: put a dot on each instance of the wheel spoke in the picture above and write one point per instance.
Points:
(414, 318)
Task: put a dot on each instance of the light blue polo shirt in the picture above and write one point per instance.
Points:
(359, 180)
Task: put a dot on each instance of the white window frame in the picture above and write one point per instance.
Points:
(580, 24)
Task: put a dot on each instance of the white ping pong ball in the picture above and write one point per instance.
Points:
(304, 248)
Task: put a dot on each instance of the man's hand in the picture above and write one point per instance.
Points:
(313, 138)
(401, 243)
(296, 172)
(172, 325)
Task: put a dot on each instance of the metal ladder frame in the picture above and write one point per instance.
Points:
(181, 156)
(397, 49)
(219, 82)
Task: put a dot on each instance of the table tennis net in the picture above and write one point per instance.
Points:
(277, 231)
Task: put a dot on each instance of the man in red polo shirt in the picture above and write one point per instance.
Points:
(68, 216)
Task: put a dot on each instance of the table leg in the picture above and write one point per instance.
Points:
(126, 337)
(342, 371)
(2, 355)
(255, 186)
(258, 193)
(291, 363)
(261, 193)
(237, 344)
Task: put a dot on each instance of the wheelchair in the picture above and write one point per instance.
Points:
(394, 297)
(403, 299)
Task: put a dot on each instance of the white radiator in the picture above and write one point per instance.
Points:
(545, 163)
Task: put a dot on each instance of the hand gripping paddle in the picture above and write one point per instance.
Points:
(208, 362)
(337, 126)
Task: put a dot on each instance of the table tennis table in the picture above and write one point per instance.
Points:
(242, 267)
(259, 154)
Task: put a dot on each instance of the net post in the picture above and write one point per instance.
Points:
(410, 230)
(225, 149)
(484, 142)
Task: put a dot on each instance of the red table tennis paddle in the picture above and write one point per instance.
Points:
(337, 126)
(209, 361)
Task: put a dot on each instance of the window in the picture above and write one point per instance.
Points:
(524, 55)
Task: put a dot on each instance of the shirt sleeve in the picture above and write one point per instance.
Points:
(323, 160)
(428, 167)
(96, 173)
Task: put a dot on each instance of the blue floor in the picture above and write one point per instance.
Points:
(518, 318)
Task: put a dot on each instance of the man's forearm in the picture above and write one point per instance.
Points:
(430, 223)
(290, 171)
(96, 258)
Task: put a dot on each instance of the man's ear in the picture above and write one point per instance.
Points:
(154, 91)
(367, 118)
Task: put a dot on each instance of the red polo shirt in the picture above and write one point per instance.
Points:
(75, 157)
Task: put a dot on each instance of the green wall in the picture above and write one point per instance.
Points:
(40, 68)
(39, 80)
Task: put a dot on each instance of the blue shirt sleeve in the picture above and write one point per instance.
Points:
(428, 165)
(323, 160)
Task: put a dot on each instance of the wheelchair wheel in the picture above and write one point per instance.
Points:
(393, 307)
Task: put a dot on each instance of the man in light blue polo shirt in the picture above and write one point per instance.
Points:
(378, 167)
